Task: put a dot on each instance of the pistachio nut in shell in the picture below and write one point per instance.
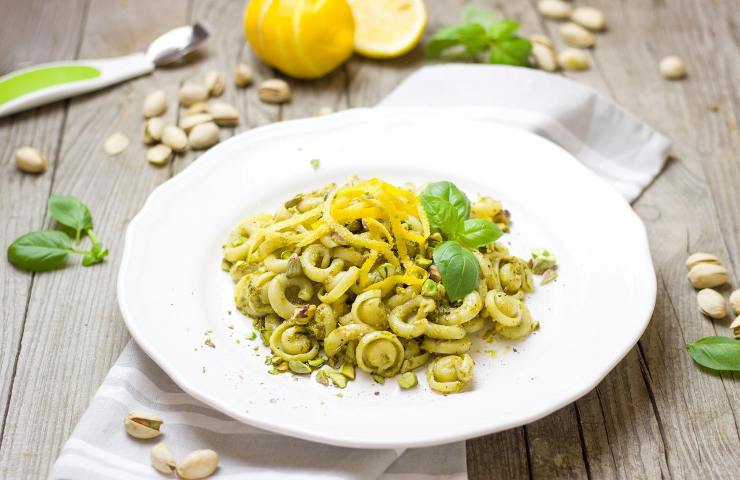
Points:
(701, 257)
(142, 425)
(198, 464)
(162, 458)
(711, 303)
(708, 275)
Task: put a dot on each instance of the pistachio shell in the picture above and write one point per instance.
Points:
(215, 83)
(735, 327)
(708, 275)
(30, 160)
(155, 104)
(711, 303)
(203, 136)
(198, 107)
(572, 59)
(175, 138)
(589, 17)
(672, 68)
(162, 458)
(142, 425)
(555, 9)
(735, 302)
(701, 257)
(116, 144)
(224, 114)
(153, 130)
(577, 36)
(274, 90)
(242, 75)
(191, 121)
(198, 464)
(191, 93)
(159, 155)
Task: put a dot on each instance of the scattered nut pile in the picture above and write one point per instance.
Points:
(706, 273)
(578, 32)
(197, 464)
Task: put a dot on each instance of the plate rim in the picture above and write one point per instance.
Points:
(345, 116)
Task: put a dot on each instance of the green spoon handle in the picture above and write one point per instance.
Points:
(46, 83)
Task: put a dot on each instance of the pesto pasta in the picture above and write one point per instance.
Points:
(378, 277)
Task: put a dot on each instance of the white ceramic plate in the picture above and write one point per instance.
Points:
(171, 289)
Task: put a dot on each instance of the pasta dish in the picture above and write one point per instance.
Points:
(383, 278)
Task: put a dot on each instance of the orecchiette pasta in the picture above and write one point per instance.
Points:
(345, 277)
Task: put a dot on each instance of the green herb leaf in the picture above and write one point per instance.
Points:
(40, 251)
(477, 232)
(442, 215)
(458, 267)
(502, 29)
(480, 32)
(470, 38)
(511, 51)
(71, 212)
(96, 255)
(716, 353)
(449, 191)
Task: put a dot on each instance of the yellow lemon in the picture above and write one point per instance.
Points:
(388, 28)
(302, 38)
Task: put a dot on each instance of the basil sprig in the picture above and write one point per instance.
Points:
(480, 36)
(48, 249)
(716, 353)
(447, 209)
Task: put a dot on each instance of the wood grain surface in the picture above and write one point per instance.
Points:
(654, 416)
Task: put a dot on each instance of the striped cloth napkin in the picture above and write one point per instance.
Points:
(621, 149)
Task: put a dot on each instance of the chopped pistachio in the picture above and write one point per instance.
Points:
(407, 380)
(378, 378)
(251, 335)
(316, 362)
(315, 163)
(304, 312)
(322, 377)
(429, 288)
(434, 273)
(542, 260)
(549, 275)
(225, 265)
(422, 262)
(337, 378)
(266, 334)
(294, 266)
(282, 367)
(276, 360)
(298, 367)
(286, 254)
(273, 371)
(348, 371)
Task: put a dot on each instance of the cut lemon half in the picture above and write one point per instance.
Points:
(387, 28)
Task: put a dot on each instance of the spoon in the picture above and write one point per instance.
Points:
(49, 82)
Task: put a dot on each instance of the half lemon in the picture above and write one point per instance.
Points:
(387, 28)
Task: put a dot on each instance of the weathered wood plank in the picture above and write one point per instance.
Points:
(73, 330)
(501, 456)
(693, 410)
(49, 31)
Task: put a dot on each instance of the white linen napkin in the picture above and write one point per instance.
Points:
(620, 148)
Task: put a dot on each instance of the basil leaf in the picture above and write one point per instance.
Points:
(442, 215)
(483, 17)
(717, 353)
(502, 29)
(71, 212)
(470, 37)
(40, 251)
(96, 254)
(449, 191)
(458, 267)
(477, 232)
(511, 51)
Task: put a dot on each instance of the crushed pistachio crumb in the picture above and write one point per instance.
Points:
(315, 163)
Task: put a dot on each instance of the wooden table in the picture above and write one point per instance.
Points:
(656, 415)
